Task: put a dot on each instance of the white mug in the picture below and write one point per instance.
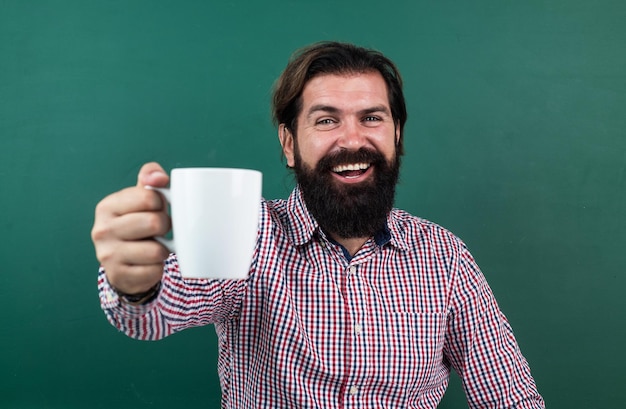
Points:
(215, 220)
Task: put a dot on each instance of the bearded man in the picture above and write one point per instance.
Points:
(349, 301)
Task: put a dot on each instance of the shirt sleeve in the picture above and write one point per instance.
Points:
(181, 303)
(481, 346)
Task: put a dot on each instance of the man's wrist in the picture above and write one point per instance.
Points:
(139, 298)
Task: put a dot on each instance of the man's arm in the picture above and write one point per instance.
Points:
(142, 295)
(178, 304)
(482, 348)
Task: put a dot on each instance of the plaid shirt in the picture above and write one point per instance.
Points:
(312, 328)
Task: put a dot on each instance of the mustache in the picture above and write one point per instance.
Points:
(345, 156)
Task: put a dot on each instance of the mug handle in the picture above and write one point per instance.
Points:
(165, 192)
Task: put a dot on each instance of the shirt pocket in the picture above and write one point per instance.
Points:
(410, 349)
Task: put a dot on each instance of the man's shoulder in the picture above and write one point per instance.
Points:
(414, 229)
(407, 219)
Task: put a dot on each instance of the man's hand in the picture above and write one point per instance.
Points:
(124, 224)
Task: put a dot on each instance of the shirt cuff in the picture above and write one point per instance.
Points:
(111, 300)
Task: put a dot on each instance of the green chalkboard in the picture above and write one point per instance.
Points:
(515, 141)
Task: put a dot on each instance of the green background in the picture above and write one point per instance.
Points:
(515, 142)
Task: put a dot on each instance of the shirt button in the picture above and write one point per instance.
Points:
(357, 329)
(354, 390)
(352, 269)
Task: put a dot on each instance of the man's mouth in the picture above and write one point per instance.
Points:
(351, 170)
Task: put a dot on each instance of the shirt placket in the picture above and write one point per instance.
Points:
(356, 298)
(355, 338)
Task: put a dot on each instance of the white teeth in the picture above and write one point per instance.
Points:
(351, 166)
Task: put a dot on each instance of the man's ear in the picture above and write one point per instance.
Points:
(286, 141)
(397, 129)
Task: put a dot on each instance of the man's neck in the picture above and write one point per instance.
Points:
(352, 245)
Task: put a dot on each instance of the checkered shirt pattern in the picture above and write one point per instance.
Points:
(310, 328)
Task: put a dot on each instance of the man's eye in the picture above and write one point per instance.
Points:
(325, 121)
(371, 119)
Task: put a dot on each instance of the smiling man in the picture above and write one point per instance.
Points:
(349, 302)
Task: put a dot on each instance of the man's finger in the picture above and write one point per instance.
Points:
(152, 174)
(140, 225)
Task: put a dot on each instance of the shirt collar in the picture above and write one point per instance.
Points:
(397, 227)
(302, 226)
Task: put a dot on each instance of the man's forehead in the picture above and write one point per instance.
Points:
(330, 91)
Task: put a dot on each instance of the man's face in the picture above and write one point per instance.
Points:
(344, 152)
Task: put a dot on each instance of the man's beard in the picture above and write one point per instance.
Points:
(349, 210)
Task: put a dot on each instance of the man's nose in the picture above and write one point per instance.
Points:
(353, 136)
